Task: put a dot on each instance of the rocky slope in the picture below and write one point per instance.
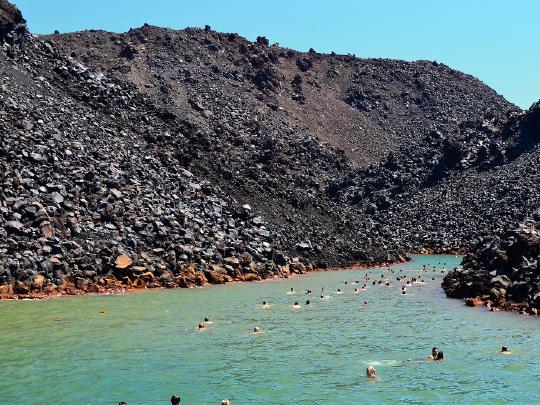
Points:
(502, 271)
(172, 158)
(90, 199)
(365, 107)
(449, 189)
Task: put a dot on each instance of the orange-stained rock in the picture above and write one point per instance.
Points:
(251, 277)
(123, 262)
(6, 289)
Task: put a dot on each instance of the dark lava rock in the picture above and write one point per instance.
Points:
(504, 271)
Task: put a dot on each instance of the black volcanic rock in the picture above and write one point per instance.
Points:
(170, 158)
(10, 17)
(502, 271)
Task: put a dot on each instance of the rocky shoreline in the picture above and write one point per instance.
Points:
(501, 272)
(190, 279)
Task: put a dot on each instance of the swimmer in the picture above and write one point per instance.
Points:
(207, 321)
(504, 350)
(440, 356)
(356, 290)
(225, 402)
(308, 292)
(175, 400)
(58, 319)
(201, 326)
(322, 289)
(256, 329)
(345, 283)
(339, 291)
(322, 297)
(365, 303)
(265, 305)
(371, 372)
(433, 354)
(296, 305)
(307, 302)
(291, 291)
(101, 311)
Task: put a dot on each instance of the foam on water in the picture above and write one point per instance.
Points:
(145, 347)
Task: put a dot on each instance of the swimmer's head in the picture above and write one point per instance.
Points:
(504, 349)
(307, 302)
(322, 297)
(225, 402)
(440, 356)
(201, 325)
(264, 302)
(256, 329)
(175, 400)
(296, 303)
(206, 319)
(371, 372)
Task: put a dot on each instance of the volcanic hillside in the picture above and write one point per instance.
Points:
(446, 191)
(162, 157)
(365, 107)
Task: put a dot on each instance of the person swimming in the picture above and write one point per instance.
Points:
(440, 356)
(225, 402)
(365, 302)
(308, 292)
(256, 329)
(175, 400)
(371, 372)
(296, 305)
(207, 321)
(504, 350)
(338, 291)
(356, 290)
(308, 302)
(434, 353)
(265, 305)
(201, 326)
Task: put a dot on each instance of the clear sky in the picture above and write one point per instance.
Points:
(497, 41)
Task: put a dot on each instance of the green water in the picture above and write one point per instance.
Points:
(146, 346)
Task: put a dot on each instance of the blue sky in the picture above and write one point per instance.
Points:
(497, 41)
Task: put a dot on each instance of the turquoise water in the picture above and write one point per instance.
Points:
(145, 347)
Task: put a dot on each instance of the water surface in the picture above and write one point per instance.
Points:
(145, 347)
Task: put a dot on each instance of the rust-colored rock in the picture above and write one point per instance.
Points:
(123, 262)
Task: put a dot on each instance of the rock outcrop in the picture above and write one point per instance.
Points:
(501, 272)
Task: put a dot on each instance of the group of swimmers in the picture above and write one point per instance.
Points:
(296, 305)
(436, 355)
